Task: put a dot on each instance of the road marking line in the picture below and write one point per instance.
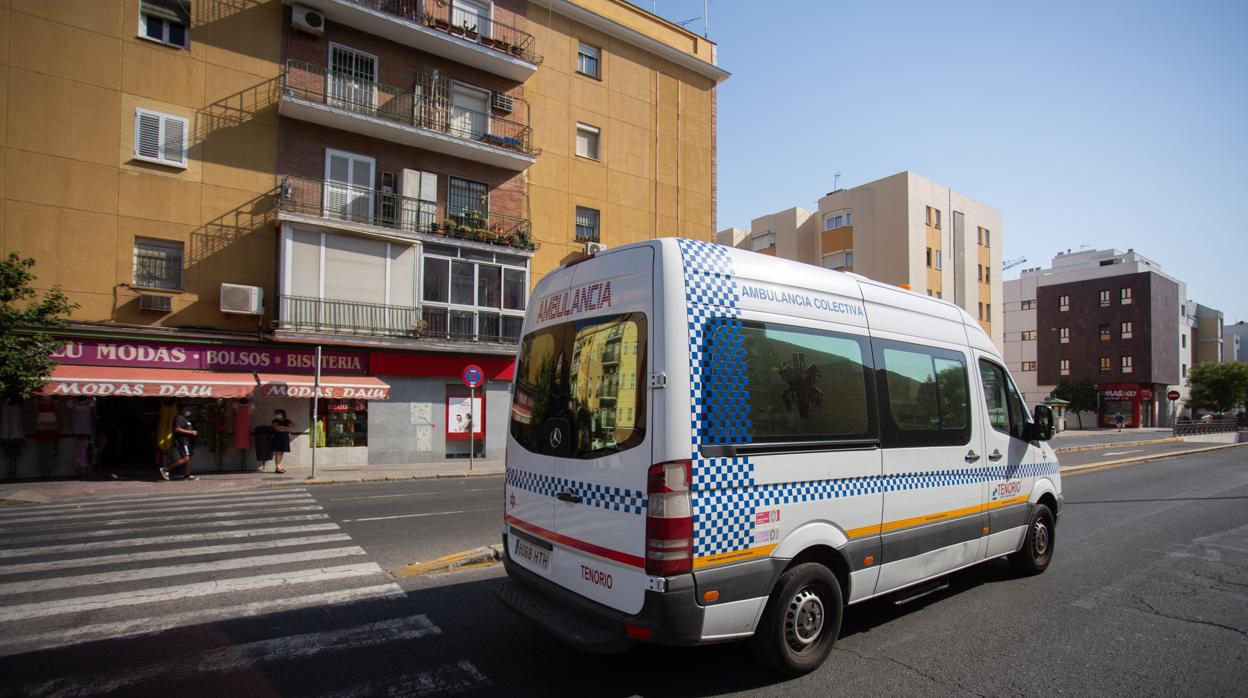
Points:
(416, 494)
(136, 597)
(191, 517)
(223, 660)
(268, 502)
(448, 679)
(148, 529)
(414, 516)
(179, 538)
(122, 558)
(1122, 453)
(154, 499)
(119, 576)
(156, 624)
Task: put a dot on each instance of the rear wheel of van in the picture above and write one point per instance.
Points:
(801, 621)
(1037, 550)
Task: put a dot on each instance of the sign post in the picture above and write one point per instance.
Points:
(473, 377)
(1173, 396)
(316, 391)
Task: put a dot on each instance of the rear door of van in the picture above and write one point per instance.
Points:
(584, 448)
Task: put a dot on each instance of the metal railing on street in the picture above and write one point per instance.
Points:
(313, 83)
(344, 202)
(1197, 427)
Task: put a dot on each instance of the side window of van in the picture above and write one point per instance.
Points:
(786, 384)
(924, 395)
(1006, 412)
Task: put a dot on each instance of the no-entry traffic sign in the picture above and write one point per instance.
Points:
(1173, 395)
(473, 376)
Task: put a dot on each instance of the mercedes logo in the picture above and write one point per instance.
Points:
(555, 438)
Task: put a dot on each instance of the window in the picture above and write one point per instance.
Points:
(762, 241)
(849, 259)
(988, 312)
(838, 260)
(1063, 367)
(1029, 335)
(987, 237)
(938, 262)
(804, 384)
(1105, 331)
(839, 219)
(981, 310)
(1183, 340)
(158, 264)
(924, 395)
(468, 294)
(166, 21)
(1128, 364)
(933, 217)
(587, 141)
(1027, 305)
(929, 257)
(1125, 296)
(1184, 370)
(588, 60)
(1029, 365)
(586, 224)
(160, 138)
(980, 272)
(1124, 330)
(1104, 298)
(345, 422)
(1006, 411)
(938, 295)
(568, 377)
(1107, 364)
(1063, 304)
(987, 275)
(468, 202)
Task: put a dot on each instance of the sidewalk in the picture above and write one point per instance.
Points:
(131, 485)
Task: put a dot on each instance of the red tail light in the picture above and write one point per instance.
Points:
(669, 519)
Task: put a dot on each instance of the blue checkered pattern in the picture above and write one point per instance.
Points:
(600, 496)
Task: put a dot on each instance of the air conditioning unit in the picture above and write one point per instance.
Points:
(504, 102)
(151, 301)
(307, 19)
(242, 300)
(593, 248)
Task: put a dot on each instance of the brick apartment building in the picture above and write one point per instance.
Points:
(221, 186)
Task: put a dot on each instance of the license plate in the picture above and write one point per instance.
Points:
(533, 555)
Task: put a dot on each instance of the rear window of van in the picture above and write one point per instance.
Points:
(585, 379)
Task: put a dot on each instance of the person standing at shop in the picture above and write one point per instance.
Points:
(281, 439)
(184, 434)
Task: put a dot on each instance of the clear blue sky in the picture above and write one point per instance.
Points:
(1109, 124)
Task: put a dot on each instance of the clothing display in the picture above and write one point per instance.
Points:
(164, 426)
(11, 427)
(242, 424)
(81, 417)
(47, 428)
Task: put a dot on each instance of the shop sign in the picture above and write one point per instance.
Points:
(340, 392)
(1119, 394)
(107, 352)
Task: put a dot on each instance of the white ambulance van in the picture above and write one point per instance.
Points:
(708, 444)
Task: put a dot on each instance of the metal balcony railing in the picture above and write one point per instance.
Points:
(305, 314)
(312, 83)
(344, 202)
(441, 15)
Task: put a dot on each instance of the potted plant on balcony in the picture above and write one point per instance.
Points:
(464, 231)
(470, 32)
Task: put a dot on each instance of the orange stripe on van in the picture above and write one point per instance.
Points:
(932, 518)
(734, 556)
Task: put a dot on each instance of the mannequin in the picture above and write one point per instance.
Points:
(12, 435)
(242, 429)
(82, 426)
(47, 434)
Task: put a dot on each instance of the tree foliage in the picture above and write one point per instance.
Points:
(26, 357)
(1218, 387)
(1080, 395)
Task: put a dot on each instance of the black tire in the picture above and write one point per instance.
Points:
(1037, 550)
(801, 622)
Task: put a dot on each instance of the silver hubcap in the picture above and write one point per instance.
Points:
(804, 620)
(1041, 539)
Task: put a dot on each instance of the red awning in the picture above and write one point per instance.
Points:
(339, 387)
(103, 381)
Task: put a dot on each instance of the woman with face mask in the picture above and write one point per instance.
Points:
(184, 434)
(281, 438)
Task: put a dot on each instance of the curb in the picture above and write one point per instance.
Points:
(1093, 447)
(465, 559)
(1075, 469)
(386, 478)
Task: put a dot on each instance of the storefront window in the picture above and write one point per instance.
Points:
(345, 422)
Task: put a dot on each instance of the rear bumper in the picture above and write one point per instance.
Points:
(672, 617)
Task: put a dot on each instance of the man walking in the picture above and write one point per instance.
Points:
(183, 444)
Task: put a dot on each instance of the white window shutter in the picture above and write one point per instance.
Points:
(410, 182)
(428, 186)
(147, 135)
(174, 140)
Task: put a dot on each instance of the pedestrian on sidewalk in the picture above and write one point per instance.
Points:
(184, 434)
(1118, 420)
(281, 439)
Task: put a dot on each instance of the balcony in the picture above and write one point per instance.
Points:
(301, 314)
(435, 26)
(430, 221)
(311, 93)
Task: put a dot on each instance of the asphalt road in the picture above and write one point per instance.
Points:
(1148, 594)
(1127, 450)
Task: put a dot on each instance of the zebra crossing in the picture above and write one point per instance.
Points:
(72, 574)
